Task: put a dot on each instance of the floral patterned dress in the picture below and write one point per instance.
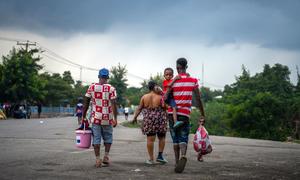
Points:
(155, 120)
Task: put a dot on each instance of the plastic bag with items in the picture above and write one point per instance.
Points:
(202, 143)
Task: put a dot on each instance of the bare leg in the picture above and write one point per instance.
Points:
(107, 149)
(97, 154)
(174, 114)
(176, 152)
(150, 146)
(161, 144)
(79, 120)
(183, 148)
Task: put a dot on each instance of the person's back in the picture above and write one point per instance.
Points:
(151, 100)
(104, 114)
(101, 95)
(183, 93)
(154, 122)
(126, 110)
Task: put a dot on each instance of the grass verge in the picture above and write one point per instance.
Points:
(130, 125)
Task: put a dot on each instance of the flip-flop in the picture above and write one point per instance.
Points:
(181, 165)
(200, 157)
(98, 163)
(106, 161)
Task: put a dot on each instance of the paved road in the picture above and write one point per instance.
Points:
(45, 149)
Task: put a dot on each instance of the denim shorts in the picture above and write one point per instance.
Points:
(102, 132)
(181, 134)
(171, 102)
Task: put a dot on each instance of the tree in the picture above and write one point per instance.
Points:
(58, 90)
(20, 80)
(259, 106)
(68, 77)
(118, 80)
(79, 92)
(133, 95)
(158, 78)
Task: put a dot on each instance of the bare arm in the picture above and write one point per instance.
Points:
(174, 80)
(114, 110)
(138, 110)
(170, 86)
(86, 104)
(199, 102)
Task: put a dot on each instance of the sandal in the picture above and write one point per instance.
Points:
(106, 161)
(181, 165)
(200, 157)
(98, 163)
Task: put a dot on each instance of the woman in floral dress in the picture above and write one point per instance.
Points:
(154, 122)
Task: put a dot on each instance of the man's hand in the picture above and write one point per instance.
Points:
(115, 123)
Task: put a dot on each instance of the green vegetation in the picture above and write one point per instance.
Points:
(263, 106)
(118, 80)
(130, 125)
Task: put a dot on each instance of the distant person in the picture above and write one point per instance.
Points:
(79, 110)
(2, 114)
(104, 114)
(28, 111)
(154, 123)
(183, 89)
(39, 106)
(22, 111)
(126, 112)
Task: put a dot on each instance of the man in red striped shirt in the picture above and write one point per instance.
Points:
(183, 90)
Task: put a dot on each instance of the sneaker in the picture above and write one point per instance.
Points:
(177, 124)
(149, 162)
(162, 160)
(181, 165)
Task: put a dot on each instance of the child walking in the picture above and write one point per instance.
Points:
(202, 143)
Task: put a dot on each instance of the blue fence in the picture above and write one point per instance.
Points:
(60, 110)
(56, 110)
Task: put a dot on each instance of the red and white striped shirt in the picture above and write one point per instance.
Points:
(183, 94)
(101, 94)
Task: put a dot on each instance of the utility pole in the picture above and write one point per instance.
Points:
(81, 73)
(27, 44)
(202, 74)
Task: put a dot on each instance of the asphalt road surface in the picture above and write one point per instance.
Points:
(45, 149)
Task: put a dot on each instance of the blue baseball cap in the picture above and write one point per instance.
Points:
(104, 73)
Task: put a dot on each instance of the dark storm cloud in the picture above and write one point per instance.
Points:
(273, 24)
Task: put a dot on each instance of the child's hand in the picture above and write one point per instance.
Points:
(177, 77)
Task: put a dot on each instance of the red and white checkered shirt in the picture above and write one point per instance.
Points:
(183, 94)
(100, 95)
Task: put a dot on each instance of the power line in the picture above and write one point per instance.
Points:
(57, 60)
(56, 57)
(11, 39)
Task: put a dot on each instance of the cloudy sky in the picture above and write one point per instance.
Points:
(149, 35)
